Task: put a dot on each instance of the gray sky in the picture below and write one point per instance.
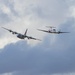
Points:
(54, 55)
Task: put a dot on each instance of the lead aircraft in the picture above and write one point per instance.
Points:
(21, 36)
(52, 30)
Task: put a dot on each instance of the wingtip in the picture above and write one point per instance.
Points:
(3, 27)
(67, 32)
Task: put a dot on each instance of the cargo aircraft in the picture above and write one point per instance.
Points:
(21, 36)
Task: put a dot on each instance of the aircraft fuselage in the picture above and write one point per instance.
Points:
(54, 32)
(20, 36)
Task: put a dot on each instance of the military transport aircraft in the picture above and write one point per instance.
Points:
(52, 30)
(21, 36)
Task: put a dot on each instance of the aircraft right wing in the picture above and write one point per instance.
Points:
(13, 32)
(62, 32)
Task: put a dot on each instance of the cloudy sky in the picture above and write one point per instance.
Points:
(54, 55)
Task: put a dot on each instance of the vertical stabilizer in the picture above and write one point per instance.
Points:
(25, 32)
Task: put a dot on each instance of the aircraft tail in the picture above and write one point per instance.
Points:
(25, 32)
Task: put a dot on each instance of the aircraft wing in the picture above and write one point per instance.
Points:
(13, 32)
(33, 38)
(43, 30)
(63, 32)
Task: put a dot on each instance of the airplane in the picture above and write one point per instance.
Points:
(21, 36)
(52, 30)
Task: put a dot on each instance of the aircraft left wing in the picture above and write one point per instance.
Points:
(13, 32)
(63, 32)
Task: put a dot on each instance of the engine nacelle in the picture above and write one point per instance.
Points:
(13, 33)
(10, 30)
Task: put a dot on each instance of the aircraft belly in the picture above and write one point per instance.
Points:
(21, 37)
